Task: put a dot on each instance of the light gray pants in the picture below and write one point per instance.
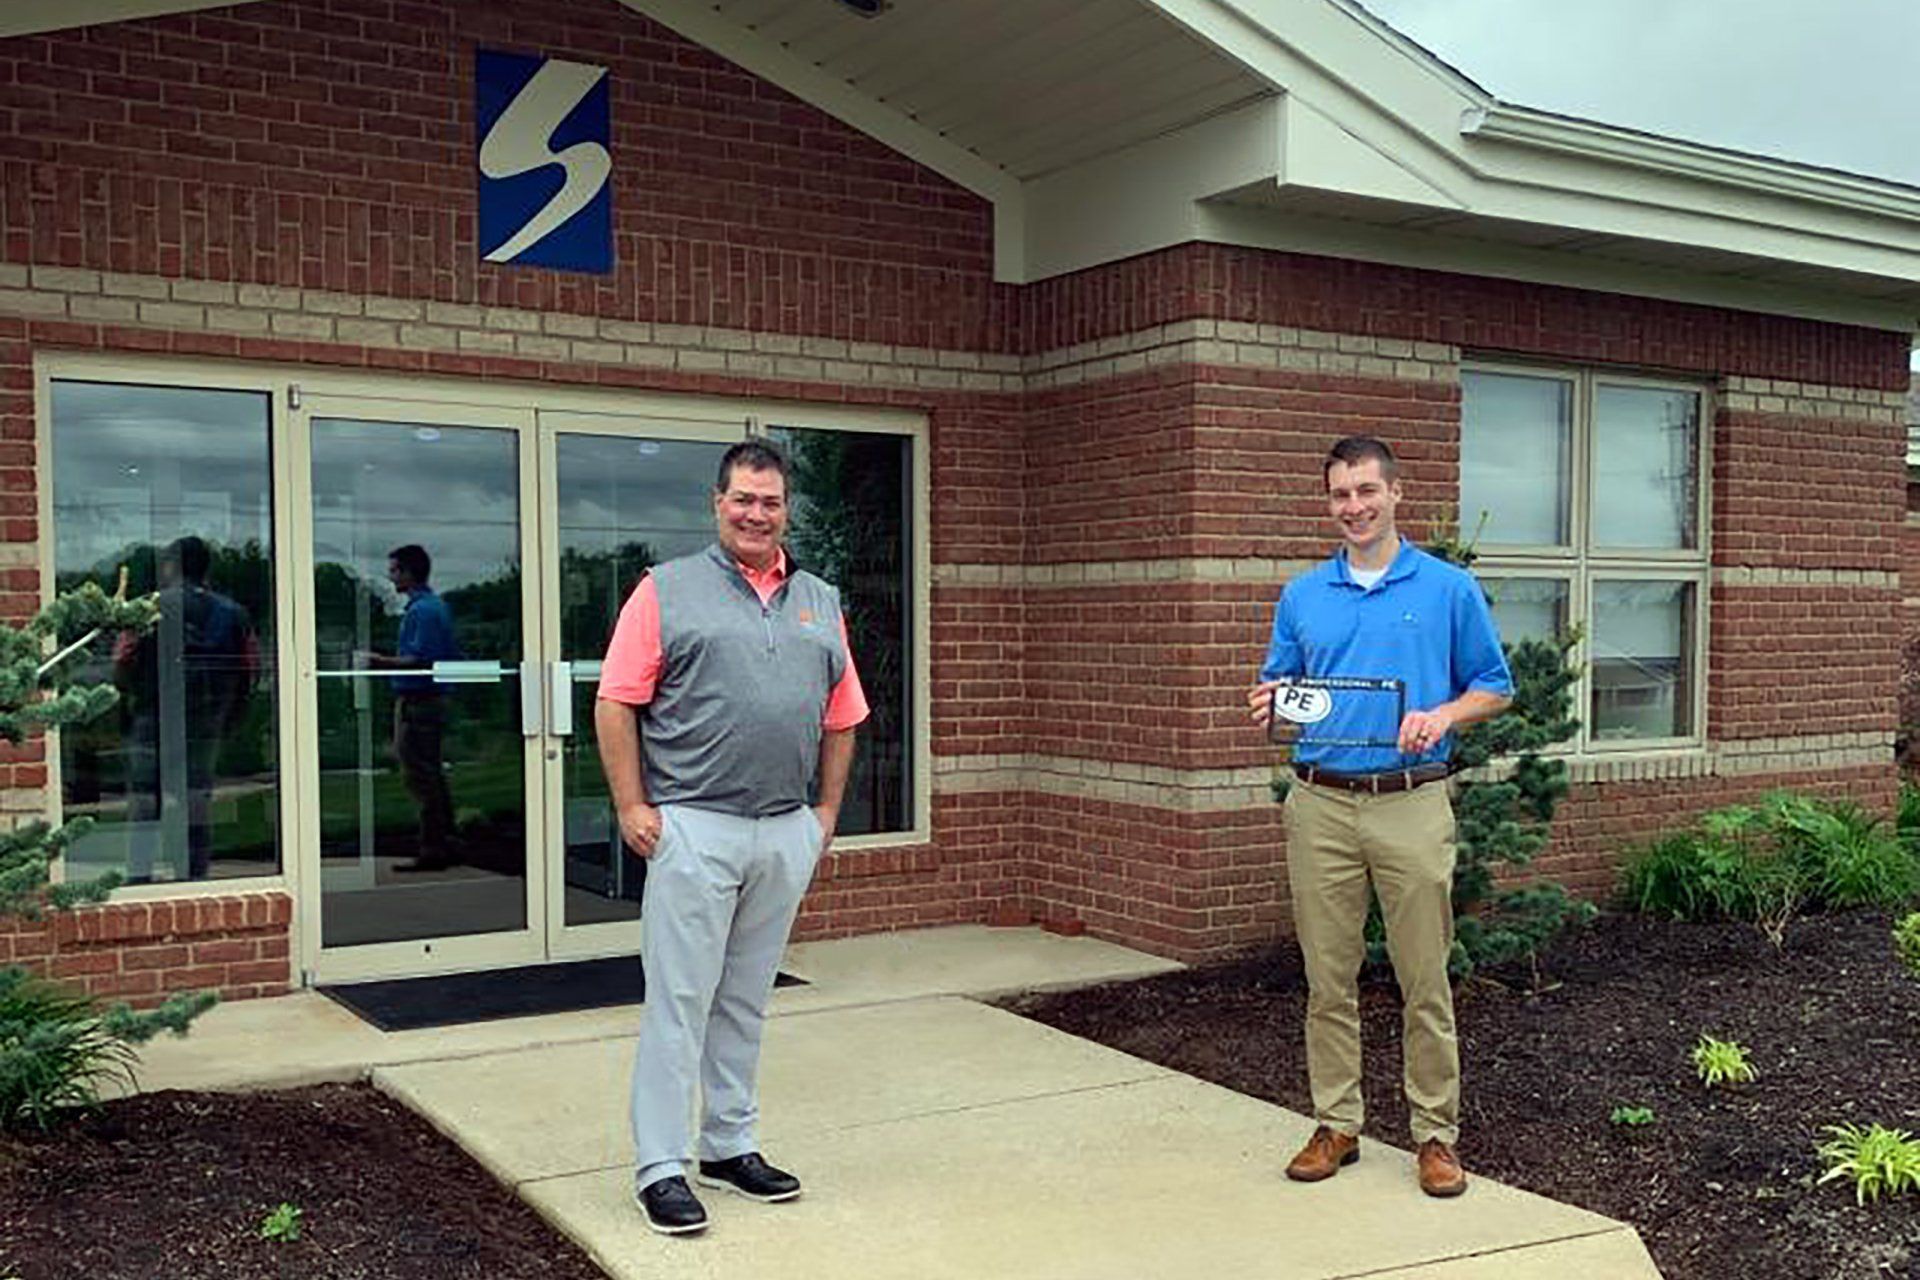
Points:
(720, 899)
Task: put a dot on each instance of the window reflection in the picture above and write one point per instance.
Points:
(625, 505)
(1515, 447)
(1642, 659)
(173, 485)
(851, 526)
(418, 616)
(1645, 480)
(1528, 608)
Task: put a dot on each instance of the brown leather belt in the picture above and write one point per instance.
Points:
(1379, 784)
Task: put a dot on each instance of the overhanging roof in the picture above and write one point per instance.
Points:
(1105, 128)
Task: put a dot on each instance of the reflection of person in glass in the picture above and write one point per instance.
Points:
(419, 707)
(184, 685)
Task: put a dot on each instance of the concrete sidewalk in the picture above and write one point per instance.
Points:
(938, 1137)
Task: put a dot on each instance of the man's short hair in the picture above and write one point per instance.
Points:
(192, 556)
(1355, 450)
(754, 455)
(413, 561)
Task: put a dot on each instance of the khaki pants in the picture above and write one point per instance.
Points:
(1336, 842)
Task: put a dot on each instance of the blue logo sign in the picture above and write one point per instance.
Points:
(545, 192)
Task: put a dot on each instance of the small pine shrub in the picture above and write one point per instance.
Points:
(58, 1048)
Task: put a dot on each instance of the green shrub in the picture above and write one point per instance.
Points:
(1876, 1160)
(1686, 876)
(283, 1224)
(1721, 1062)
(1765, 863)
(58, 1049)
(1906, 817)
(1906, 943)
(1850, 856)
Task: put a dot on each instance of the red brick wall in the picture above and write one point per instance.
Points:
(1180, 884)
(1807, 492)
(979, 663)
(1478, 312)
(1803, 660)
(326, 144)
(142, 952)
(975, 864)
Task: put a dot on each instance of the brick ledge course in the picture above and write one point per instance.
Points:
(75, 294)
(1217, 790)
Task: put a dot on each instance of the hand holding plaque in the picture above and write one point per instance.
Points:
(1297, 704)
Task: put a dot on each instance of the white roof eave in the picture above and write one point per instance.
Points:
(1524, 127)
(1495, 165)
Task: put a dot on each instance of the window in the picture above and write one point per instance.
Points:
(1588, 493)
(172, 484)
(852, 525)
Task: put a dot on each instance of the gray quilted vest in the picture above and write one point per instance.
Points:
(734, 724)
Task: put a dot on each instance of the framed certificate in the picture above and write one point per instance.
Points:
(1302, 702)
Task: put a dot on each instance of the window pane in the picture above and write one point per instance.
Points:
(1528, 608)
(625, 505)
(172, 483)
(1643, 659)
(1515, 458)
(852, 525)
(1646, 449)
(421, 796)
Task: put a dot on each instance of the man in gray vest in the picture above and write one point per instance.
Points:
(726, 715)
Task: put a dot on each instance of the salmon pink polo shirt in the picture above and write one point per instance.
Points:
(631, 670)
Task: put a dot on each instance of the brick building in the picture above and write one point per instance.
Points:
(1057, 303)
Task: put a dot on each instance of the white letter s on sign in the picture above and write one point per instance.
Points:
(517, 143)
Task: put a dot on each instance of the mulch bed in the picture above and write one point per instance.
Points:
(1720, 1185)
(174, 1186)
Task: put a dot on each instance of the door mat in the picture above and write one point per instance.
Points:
(412, 1004)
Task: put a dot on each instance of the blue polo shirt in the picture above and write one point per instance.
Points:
(426, 636)
(1426, 622)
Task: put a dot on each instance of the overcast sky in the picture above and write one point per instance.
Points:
(1826, 82)
(1829, 82)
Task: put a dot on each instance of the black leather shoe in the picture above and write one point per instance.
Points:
(750, 1176)
(671, 1208)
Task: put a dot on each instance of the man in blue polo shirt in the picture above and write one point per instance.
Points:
(419, 702)
(1380, 609)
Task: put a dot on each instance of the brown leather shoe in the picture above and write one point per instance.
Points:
(1323, 1155)
(1440, 1171)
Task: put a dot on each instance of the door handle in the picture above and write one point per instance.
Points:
(560, 698)
(529, 700)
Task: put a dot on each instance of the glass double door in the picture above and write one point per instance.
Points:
(462, 568)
